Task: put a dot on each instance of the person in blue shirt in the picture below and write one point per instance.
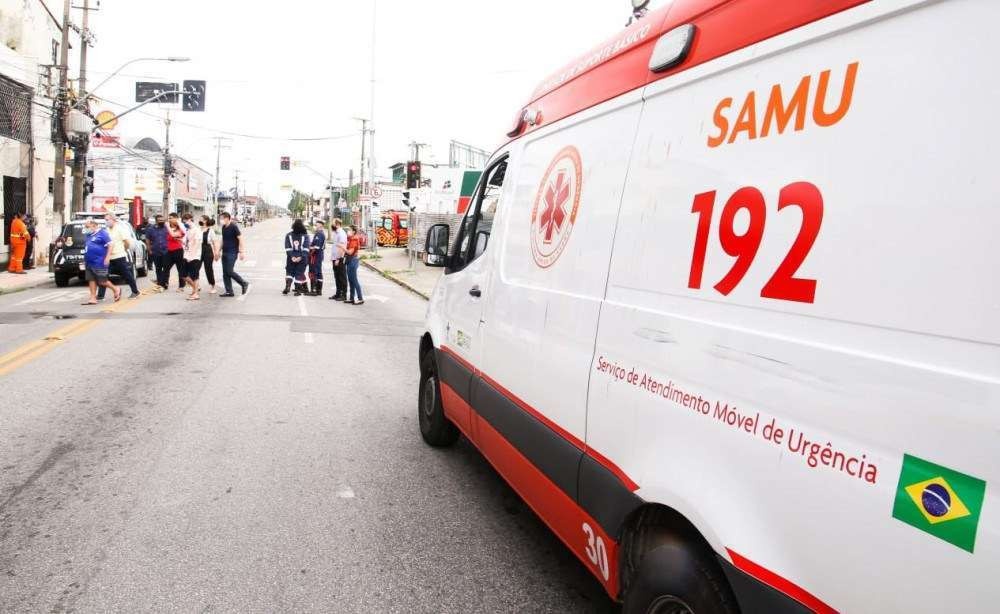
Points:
(97, 258)
(297, 258)
(317, 247)
(156, 242)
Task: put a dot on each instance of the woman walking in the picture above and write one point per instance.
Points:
(296, 258)
(192, 256)
(353, 261)
(209, 249)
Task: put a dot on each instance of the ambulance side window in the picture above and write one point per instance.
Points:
(474, 234)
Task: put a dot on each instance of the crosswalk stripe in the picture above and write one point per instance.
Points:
(44, 297)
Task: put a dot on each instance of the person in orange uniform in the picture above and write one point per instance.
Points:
(18, 244)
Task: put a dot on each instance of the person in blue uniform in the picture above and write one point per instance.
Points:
(296, 258)
(317, 247)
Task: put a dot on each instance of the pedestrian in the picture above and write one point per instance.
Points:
(121, 249)
(339, 265)
(317, 250)
(192, 256)
(209, 249)
(175, 251)
(97, 257)
(353, 262)
(297, 257)
(18, 244)
(156, 243)
(29, 250)
(232, 247)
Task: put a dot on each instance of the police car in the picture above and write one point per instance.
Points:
(724, 309)
(67, 250)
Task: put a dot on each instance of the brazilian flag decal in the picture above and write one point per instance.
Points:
(939, 501)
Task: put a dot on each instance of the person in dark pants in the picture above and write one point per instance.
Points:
(296, 258)
(339, 239)
(175, 251)
(232, 248)
(121, 249)
(156, 243)
(316, 253)
(29, 252)
(209, 249)
(353, 262)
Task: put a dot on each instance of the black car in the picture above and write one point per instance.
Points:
(67, 252)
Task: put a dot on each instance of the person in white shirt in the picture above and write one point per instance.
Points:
(121, 263)
(192, 255)
(339, 263)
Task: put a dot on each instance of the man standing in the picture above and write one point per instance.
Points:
(232, 247)
(97, 257)
(317, 248)
(29, 252)
(121, 244)
(156, 242)
(339, 265)
(18, 244)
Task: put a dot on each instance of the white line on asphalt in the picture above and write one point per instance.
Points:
(71, 297)
(376, 297)
(302, 311)
(249, 263)
(346, 492)
(280, 264)
(45, 297)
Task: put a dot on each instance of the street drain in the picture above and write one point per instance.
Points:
(64, 317)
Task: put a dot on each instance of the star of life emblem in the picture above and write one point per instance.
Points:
(556, 206)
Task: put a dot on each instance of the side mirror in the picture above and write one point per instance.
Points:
(436, 245)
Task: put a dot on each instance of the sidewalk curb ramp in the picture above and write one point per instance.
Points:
(395, 280)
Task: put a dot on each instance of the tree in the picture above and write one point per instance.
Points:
(298, 203)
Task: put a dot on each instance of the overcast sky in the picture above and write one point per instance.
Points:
(445, 69)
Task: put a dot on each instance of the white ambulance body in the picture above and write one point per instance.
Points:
(725, 310)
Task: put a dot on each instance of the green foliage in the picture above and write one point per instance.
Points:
(297, 203)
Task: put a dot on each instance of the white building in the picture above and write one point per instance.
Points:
(29, 40)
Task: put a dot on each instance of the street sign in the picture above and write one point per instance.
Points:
(376, 191)
(365, 198)
(144, 90)
(106, 120)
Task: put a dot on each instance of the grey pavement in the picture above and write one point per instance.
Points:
(395, 264)
(248, 455)
(32, 278)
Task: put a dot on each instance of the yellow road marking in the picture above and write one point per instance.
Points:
(18, 357)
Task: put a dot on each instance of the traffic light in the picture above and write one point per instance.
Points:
(413, 174)
(406, 199)
(286, 163)
(194, 96)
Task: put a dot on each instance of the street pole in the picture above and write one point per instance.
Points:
(361, 188)
(218, 171)
(58, 142)
(82, 145)
(167, 169)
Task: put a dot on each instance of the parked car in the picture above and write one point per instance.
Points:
(67, 251)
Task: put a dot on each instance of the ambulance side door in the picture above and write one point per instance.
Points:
(463, 287)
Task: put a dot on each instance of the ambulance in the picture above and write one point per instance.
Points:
(725, 308)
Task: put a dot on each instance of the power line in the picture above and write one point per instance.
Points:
(240, 134)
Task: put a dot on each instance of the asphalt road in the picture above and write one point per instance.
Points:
(248, 455)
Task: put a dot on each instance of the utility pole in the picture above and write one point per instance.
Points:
(236, 193)
(82, 145)
(361, 187)
(218, 165)
(168, 169)
(58, 142)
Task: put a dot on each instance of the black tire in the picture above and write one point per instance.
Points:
(677, 576)
(436, 429)
(62, 280)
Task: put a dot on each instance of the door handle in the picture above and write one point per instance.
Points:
(475, 291)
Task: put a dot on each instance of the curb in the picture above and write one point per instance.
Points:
(396, 280)
(27, 286)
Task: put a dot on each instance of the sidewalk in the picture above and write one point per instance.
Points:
(394, 264)
(15, 283)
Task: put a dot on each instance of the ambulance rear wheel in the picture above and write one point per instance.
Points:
(677, 577)
(436, 429)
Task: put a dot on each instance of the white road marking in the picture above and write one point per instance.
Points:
(72, 297)
(249, 263)
(303, 312)
(45, 297)
(376, 297)
(279, 264)
(345, 493)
